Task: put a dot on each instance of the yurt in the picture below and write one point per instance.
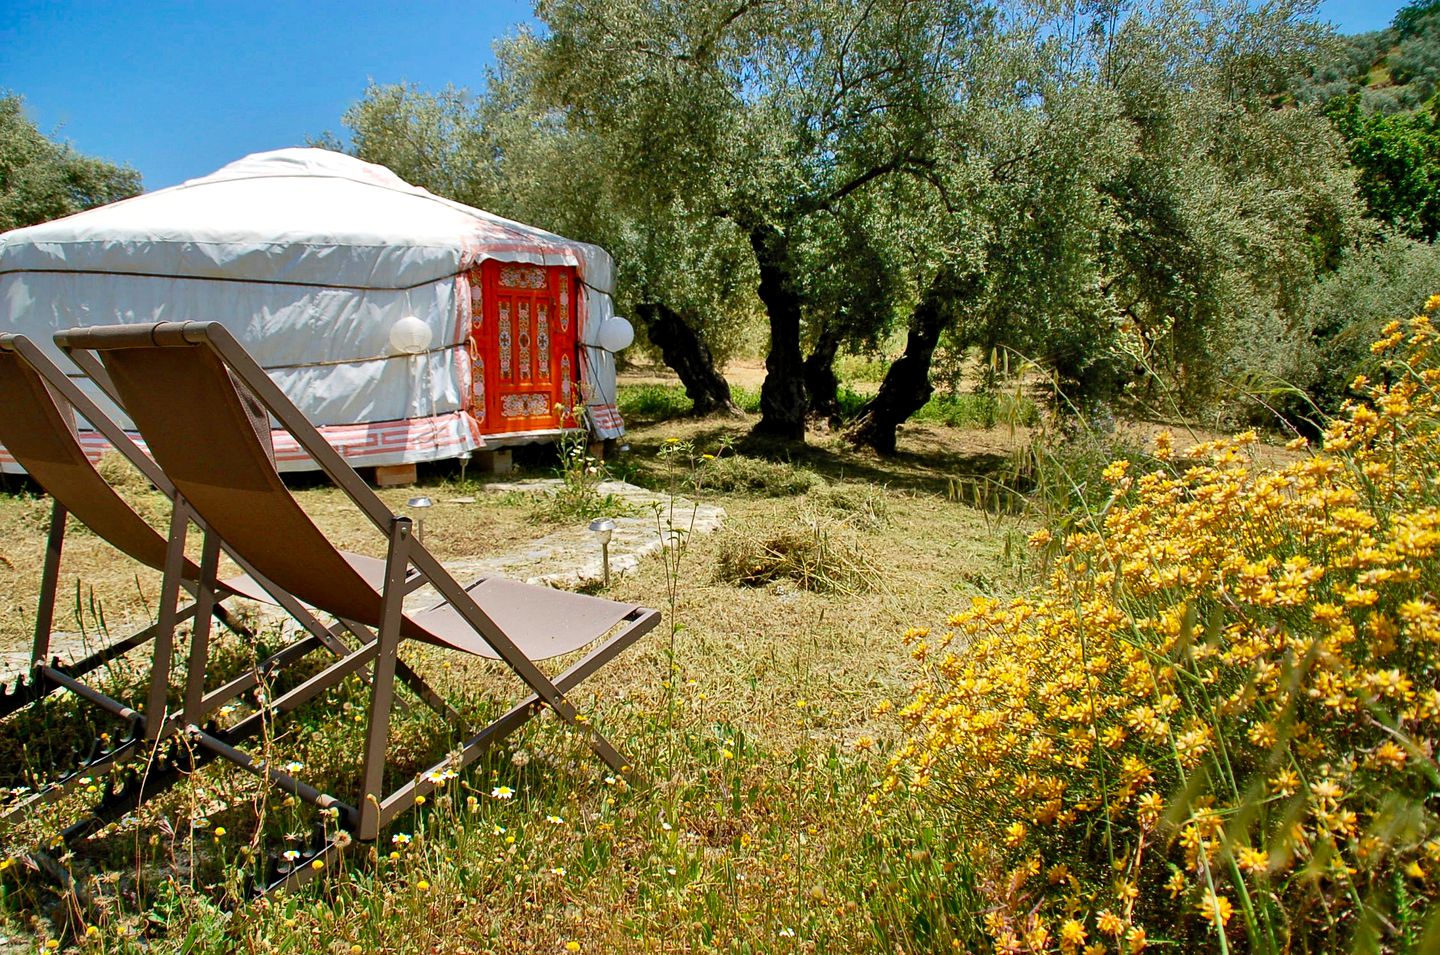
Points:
(408, 327)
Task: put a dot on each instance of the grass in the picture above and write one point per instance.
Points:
(750, 829)
(651, 403)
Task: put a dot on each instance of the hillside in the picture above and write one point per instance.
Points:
(1393, 70)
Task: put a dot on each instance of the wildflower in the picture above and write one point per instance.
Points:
(1072, 934)
(502, 792)
(423, 885)
(572, 946)
(1390, 756)
(558, 870)
(401, 839)
(1253, 860)
(290, 855)
(555, 820)
(1215, 909)
(317, 864)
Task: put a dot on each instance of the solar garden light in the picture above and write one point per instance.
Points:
(603, 528)
(419, 504)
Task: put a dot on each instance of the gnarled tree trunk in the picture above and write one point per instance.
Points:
(821, 384)
(688, 356)
(782, 396)
(907, 386)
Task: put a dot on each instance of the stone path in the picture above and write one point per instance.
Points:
(565, 558)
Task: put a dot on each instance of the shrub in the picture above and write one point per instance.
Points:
(980, 409)
(1216, 724)
(746, 399)
(1345, 312)
(653, 402)
(578, 496)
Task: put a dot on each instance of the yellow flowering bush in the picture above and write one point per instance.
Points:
(1216, 724)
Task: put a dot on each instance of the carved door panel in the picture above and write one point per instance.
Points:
(527, 346)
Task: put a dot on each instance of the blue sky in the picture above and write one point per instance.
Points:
(178, 89)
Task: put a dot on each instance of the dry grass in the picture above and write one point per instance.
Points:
(93, 576)
(710, 850)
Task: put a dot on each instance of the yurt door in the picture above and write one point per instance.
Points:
(530, 349)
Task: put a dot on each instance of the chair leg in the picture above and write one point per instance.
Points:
(200, 629)
(377, 736)
(49, 580)
(521, 713)
(165, 625)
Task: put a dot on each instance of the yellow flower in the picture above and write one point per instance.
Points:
(1215, 909)
(1253, 860)
(573, 946)
(1390, 756)
(1072, 934)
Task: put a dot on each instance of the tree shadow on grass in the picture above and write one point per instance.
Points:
(929, 461)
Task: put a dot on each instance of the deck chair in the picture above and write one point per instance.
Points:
(38, 429)
(192, 386)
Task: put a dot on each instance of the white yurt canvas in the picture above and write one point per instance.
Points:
(407, 327)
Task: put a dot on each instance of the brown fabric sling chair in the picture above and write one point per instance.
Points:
(38, 429)
(192, 385)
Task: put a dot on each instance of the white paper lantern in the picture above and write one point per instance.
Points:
(410, 336)
(615, 334)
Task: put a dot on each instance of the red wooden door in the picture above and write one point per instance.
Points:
(527, 343)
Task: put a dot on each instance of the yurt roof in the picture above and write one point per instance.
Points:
(292, 216)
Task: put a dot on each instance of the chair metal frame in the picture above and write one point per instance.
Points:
(150, 725)
(409, 565)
